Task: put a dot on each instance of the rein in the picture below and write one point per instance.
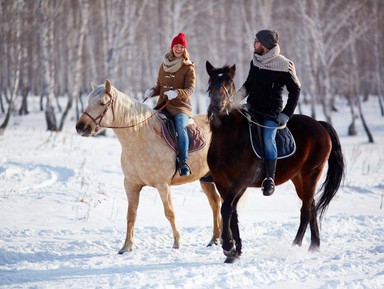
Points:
(111, 105)
(248, 117)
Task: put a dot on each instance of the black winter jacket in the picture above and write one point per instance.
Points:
(265, 91)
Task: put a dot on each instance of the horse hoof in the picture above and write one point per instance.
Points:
(214, 241)
(231, 259)
(229, 253)
(314, 249)
(124, 250)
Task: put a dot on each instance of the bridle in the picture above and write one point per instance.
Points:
(97, 121)
(247, 116)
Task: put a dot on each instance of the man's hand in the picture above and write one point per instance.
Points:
(282, 118)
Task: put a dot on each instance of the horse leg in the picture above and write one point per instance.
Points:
(304, 220)
(236, 253)
(165, 194)
(226, 235)
(304, 211)
(133, 195)
(231, 234)
(308, 215)
(315, 234)
(214, 201)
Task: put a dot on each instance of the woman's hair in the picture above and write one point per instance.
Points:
(185, 54)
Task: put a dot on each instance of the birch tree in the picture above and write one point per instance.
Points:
(75, 82)
(18, 7)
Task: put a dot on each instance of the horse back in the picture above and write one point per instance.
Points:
(313, 147)
(202, 121)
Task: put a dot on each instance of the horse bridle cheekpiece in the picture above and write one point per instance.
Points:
(99, 119)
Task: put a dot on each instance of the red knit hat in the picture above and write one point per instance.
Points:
(179, 39)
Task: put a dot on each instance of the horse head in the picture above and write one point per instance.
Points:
(99, 112)
(221, 88)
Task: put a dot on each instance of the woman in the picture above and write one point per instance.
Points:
(176, 83)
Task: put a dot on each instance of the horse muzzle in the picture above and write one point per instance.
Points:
(84, 129)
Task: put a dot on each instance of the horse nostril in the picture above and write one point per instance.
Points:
(80, 127)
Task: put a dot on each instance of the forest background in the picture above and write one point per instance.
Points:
(54, 49)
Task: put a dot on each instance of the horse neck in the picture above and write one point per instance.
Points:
(232, 122)
(132, 118)
(129, 112)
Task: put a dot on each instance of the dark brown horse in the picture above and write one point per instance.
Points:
(235, 167)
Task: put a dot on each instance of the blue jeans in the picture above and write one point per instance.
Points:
(181, 122)
(269, 140)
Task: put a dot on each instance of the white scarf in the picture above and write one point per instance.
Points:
(274, 61)
(171, 65)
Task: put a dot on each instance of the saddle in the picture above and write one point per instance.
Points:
(196, 134)
(285, 143)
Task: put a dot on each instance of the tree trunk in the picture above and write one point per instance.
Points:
(18, 20)
(352, 127)
(84, 16)
(50, 116)
(366, 128)
(24, 103)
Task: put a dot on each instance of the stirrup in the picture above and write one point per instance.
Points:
(268, 186)
(184, 170)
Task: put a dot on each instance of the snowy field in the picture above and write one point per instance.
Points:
(63, 211)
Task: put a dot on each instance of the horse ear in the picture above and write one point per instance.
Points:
(209, 67)
(232, 70)
(107, 85)
(93, 85)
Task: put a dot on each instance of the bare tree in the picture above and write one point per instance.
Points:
(125, 41)
(76, 80)
(19, 7)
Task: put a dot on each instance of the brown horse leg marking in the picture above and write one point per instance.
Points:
(214, 201)
(133, 195)
(170, 213)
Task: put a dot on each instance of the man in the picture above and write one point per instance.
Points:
(269, 73)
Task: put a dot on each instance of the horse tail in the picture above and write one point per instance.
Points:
(335, 172)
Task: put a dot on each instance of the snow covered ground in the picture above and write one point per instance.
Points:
(63, 210)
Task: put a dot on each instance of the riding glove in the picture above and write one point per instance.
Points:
(282, 118)
(148, 93)
(171, 94)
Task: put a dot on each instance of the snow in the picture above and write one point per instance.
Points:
(63, 211)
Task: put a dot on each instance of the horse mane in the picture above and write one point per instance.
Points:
(134, 111)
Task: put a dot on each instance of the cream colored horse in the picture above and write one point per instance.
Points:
(146, 158)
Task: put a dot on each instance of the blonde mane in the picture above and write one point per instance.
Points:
(130, 111)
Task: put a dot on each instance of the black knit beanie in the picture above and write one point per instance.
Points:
(268, 38)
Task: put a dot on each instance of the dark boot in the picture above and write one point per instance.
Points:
(184, 169)
(268, 185)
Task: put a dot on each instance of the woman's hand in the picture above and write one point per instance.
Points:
(171, 94)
